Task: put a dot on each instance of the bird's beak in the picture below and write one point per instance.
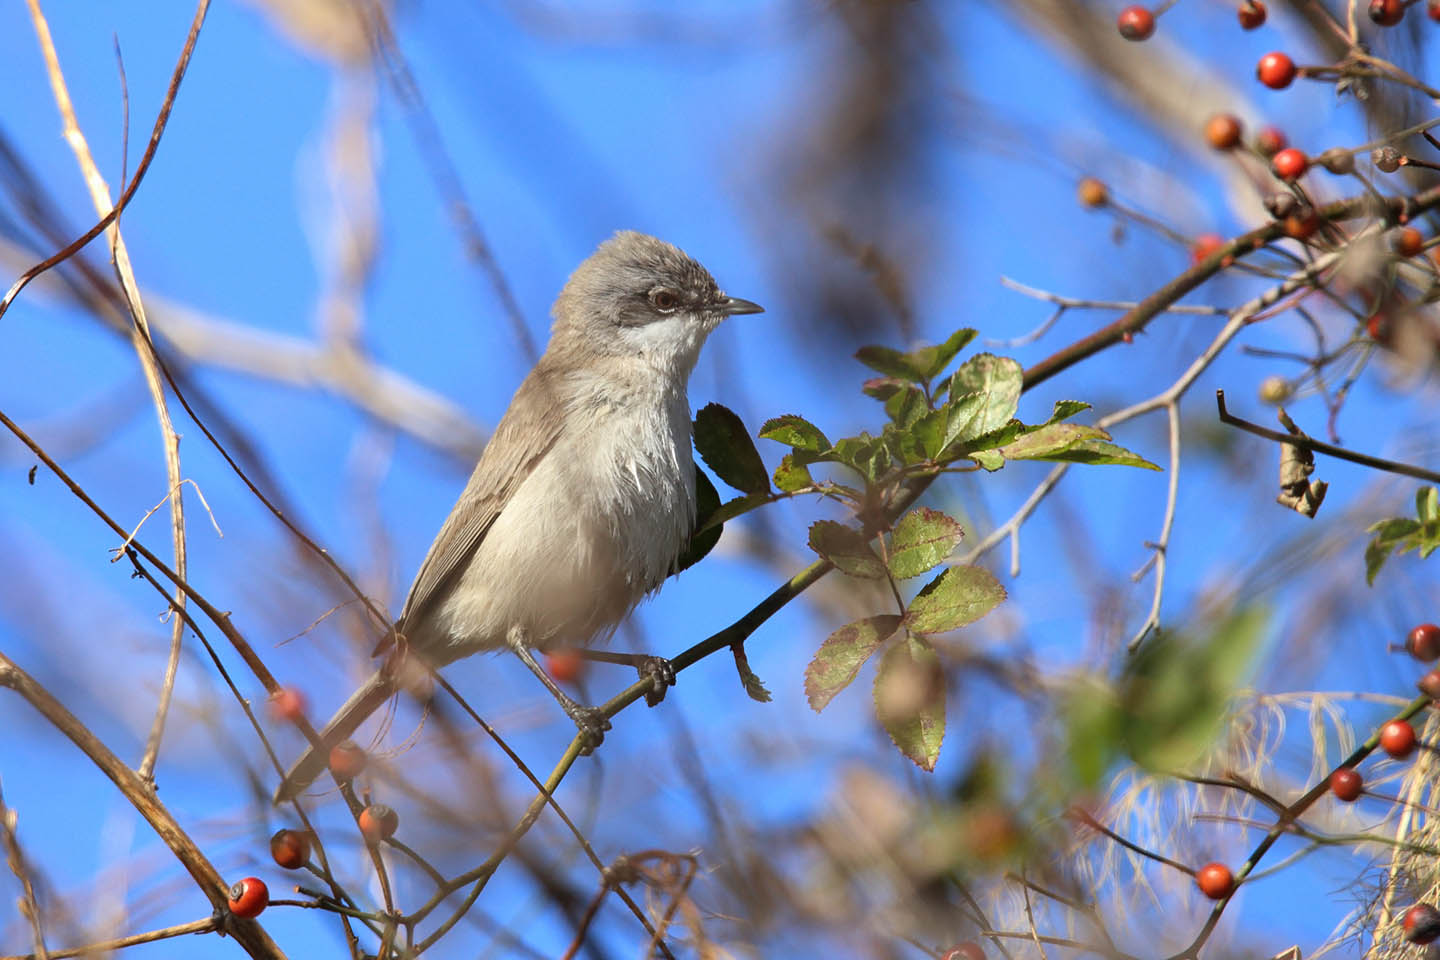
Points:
(733, 305)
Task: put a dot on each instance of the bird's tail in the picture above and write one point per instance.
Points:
(370, 697)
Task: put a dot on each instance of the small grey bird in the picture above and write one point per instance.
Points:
(584, 497)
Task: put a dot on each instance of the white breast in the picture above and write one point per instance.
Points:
(595, 527)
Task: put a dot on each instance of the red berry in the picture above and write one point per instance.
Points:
(1387, 13)
(378, 822)
(1205, 245)
(1424, 642)
(1302, 223)
(566, 666)
(1275, 70)
(1290, 164)
(290, 848)
(1433, 8)
(1271, 140)
(346, 760)
(969, 950)
(1397, 738)
(288, 704)
(1252, 14)
(248, 898)
(1092, 193)
(1408, 241)
(1347, 784)
(1430, 684)
(1215, 881)
(1422, 923)
(1222, 131)
(1378, 326)
(1136, 23)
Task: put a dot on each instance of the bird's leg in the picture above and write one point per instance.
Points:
(590, 721)
(657, 670)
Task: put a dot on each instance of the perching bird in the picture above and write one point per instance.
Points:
(583, 499)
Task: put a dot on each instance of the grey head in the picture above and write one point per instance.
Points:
(639, 296)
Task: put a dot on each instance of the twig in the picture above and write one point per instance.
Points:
(15, 859)
(1320, 446)
(207, 925)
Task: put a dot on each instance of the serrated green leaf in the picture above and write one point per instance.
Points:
(1376, 553)
(725, 446)
(847, 548)
(995, 383)
(922, 539)
(932, 361)
(1176, 691)
(1065, 409)
(1098, 452)
(890, 362)
(989, 459)
(792, 474)
(739, 506)
(707, 503)
(910, 700)
(868, 455)
(906, 406)
(842, 655)
(1051, 439)
(988, 440)
(795, 432)
(958, 596)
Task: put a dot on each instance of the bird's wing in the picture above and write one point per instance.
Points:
(526, 433)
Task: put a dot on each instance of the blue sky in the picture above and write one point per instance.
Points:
(559, 138)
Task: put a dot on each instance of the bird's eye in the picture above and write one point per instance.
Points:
(664, 299)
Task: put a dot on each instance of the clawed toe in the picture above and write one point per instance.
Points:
(661, 674)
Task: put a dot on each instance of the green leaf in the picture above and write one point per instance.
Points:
(847, 548)
(988, 459)
(1176, 691)
(754, 689)
(906, 406)
(1051, 439)
(958, 596)
(922, 539)
(883, 388)
(989, 440)
(707, 502)
(1427, 504)
(931, 361)
(739, 506)
(985, 392)
(1098, 452)
(910, 700)
(890, 362)
(726, 448)
(842, 655)
(792, 474)
(867, 455)
(795, 432)
(1065, 409)
(1402, 534)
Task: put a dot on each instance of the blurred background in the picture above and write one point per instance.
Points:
(348, 244)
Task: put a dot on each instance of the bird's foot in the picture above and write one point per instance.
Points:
(661, 674)
(591, 723)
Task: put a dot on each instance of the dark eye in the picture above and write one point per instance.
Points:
(664, 299)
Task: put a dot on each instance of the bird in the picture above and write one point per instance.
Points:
(584, 497)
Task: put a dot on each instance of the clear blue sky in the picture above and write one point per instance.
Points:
(559, 138)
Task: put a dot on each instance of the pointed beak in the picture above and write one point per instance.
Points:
(733, 305)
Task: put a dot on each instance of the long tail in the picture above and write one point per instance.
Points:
(370, 697)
